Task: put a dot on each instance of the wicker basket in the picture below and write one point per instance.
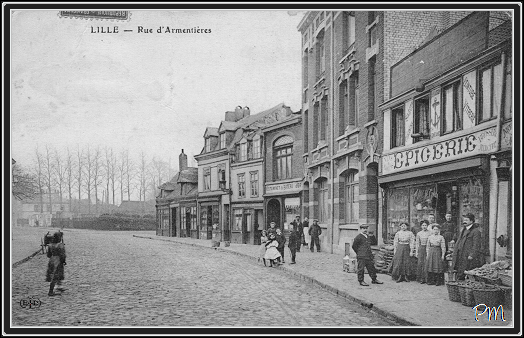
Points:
(453, 291)
(466, 295)
(505, 279)
(491, 297)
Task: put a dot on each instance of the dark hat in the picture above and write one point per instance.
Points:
(470, 216)
(364, 226)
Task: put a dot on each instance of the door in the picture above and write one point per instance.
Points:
(273, 213)
(209, 222)
(173, 221)
(246, 227)
(188, 221)
(447, 201)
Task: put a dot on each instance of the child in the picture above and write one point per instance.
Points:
(281, 239)
(262, 250)
(272, 252)
(294, 243)
(435, 259)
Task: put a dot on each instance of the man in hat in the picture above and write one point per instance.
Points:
(364, 257)
(297, 226)
(467, 253)
(315, 231)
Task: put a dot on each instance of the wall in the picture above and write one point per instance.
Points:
(213, 164)
(246, 169)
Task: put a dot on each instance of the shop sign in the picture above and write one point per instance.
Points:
(284, 188)
(480, 142)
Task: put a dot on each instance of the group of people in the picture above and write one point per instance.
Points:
(430, 244)
(301, 233)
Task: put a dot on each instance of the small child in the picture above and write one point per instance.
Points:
(272, 252)
(281, 239)
(262, 250)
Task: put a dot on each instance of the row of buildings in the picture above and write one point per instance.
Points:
(404, 114)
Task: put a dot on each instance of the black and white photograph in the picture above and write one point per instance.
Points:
(292, 169)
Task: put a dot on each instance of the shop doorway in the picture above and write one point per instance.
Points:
(246, 221)
(447, 201)
(188, 221)
(209, 222)
(173, 222)
(273, 213)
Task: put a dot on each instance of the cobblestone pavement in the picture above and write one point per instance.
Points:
(115, 279)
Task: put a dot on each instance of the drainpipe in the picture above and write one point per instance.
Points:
(332, 115)
(493, 232)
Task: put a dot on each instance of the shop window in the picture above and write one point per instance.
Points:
(351, 197)
(241, 186)
(397, 127)
(397, 210)
(292, 206)
(237, 226)
(254, 183)
(193, 214)
(222, 140)
(207, 179)
(283, 157)
(323, 200)
(421, 125)
(452, 112)
(471, 201)
(423, 203)
(490, 91)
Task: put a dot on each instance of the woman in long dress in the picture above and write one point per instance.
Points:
(404, 247)
(435, 259)
(420, 251)
(262, 250)
(272, 252)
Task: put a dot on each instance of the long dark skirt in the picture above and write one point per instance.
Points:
(422, 274)
(402, 262)
(434, 262)
(55, 269)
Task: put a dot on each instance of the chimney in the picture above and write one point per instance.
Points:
(182, 161)
(239, 113)
(246, 111)
(230, 116)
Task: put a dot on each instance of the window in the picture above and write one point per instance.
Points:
(343, 106)
(193, 218)
(323, 118)
(241, 186)
(373, 30)
(371, 88)
(237, 226)
(243, 151)
(451, 114)
(254, 183)
(316, 120)
(306, 131)
(397, 127)
(321, 55)
(352, 197)
(353, 99)
(349, 29)
(305, 68)
(207, 178)
(283, 157)
(208, 145)
(490, 97)
(222, 140)
(305, 38)
(421, 125)
(508, 112)
(256, 148)
(323, 200)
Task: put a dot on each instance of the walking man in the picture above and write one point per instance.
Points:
(294, 243)
(466, 255)
(364, 257)
(297, 226)
(315, 231)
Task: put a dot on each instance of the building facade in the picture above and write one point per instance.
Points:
(346, 65)
(284, 187)
(448, 132)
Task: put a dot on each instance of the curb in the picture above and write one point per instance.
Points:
(332, 290)
(26, 259)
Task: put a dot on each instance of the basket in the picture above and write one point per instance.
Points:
(505, 279)
(491, 297)
(466, 295)
(506, 292)
(453, 291)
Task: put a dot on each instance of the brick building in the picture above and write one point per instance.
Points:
(347, 59)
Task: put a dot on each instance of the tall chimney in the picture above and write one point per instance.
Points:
(182, 161)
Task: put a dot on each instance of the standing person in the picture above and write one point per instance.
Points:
(420, 252)
(448, 230)
(466, 255)
(294, 243)
(435, 259)
(404, 248)
(362, 247)
(431, 220)
(272, 229)
(315, 231)
(57, 259)
(305, 225)
(262, 250)
(281, 239)
(272, 252)
(297, 226)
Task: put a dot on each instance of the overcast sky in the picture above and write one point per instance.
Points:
(146, 92)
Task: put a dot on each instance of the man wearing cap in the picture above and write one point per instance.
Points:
(364, 257)
(315, 231)
(297, 226)
(467, 253)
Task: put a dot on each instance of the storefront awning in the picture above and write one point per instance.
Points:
(439, 169)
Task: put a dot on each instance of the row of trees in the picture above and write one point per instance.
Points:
(98, 174)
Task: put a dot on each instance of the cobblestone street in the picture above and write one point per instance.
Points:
(115, 279)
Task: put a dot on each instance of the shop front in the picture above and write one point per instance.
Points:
(188, 220)
(247, 223)
(283, 203)
(210, 221)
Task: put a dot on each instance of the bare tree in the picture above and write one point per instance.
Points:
(97, 173)
(110, 173)
(24, 185)
(59, 174)
(88, 177)
(69, 176)
(48, 175)
(142, 175)
(129, 175)
(80, 161)
(39, 174)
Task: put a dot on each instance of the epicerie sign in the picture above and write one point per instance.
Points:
(480, 142)
(284, 187)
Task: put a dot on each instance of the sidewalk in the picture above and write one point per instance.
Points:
(405, 303)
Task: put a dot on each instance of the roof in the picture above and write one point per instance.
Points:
(211, 131)
(227, 126)
(188, 175)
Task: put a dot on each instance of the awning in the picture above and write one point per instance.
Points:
(439, 169)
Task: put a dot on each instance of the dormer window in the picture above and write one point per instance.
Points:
(243, 151)
(208, 145)
(256, 147)
(222, 140)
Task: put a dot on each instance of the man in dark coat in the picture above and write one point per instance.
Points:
(447, 230)
(297, 226)
(467, 253)
(315, 231)
(364, 257)
(281, 239)
(294, 243)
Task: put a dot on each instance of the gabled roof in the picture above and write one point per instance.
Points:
(227, 126)
(211, 131)
(189, 175)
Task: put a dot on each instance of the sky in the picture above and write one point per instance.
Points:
(151, 92)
